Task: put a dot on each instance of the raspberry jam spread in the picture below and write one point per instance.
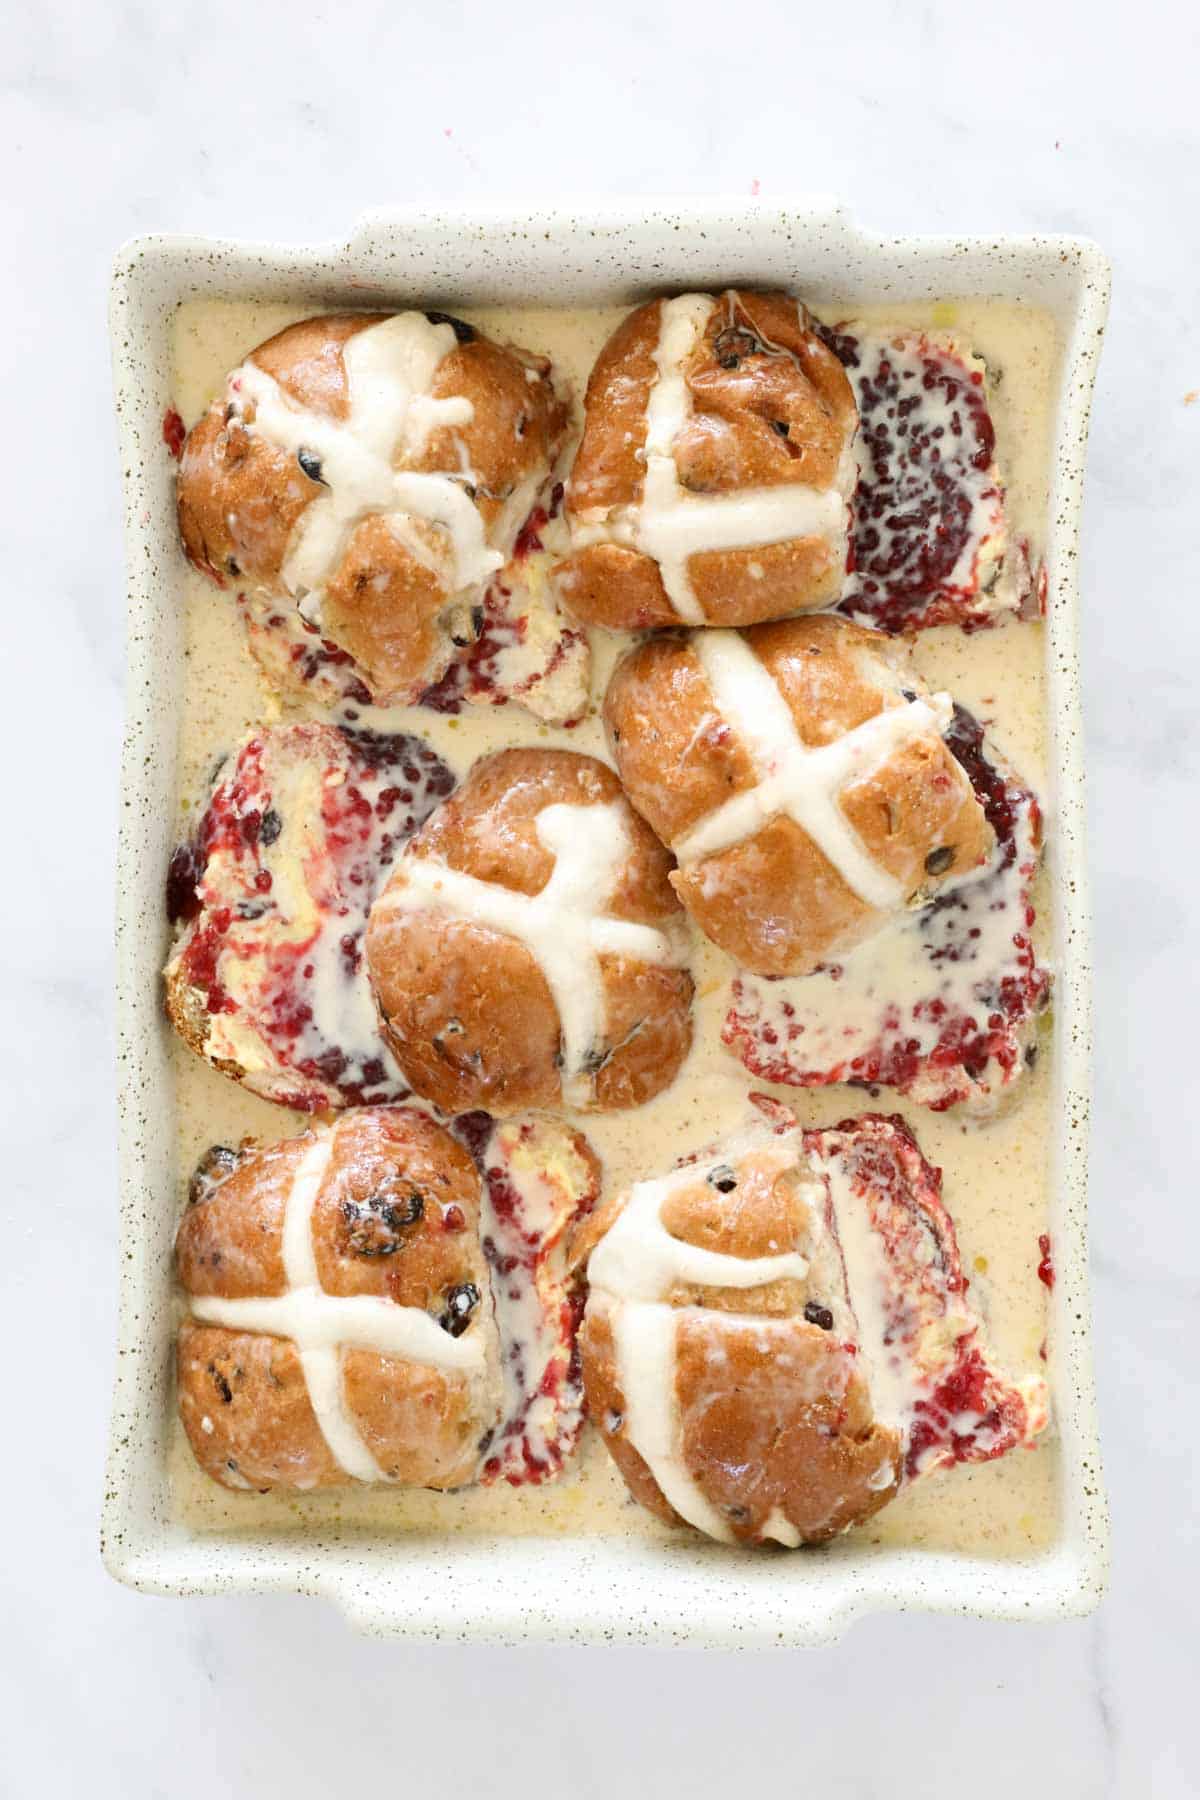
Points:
(525, 651)
(539, 1178)
(273, 893)
(291, 651)
(929, 539)
(930, 1373)
(941, 1003)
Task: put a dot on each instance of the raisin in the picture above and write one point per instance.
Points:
(271, 826)
(217, 1162)
(723, 1179)
(222, 1386)
(376, 1226)
(938, 861)
(311, 464)
(781, 426)
(463, 332)
(461, 1302)
(733, 343)
(184, 874)
(816, 1314)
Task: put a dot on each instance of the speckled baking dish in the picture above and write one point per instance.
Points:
(592, 1589)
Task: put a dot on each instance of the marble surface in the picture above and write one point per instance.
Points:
(284, 121)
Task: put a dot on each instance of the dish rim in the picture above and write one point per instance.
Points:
(581, 1589)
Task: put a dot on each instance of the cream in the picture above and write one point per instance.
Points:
(797, 779)
(564, 927)
(321, 1363)
(322, 1325)
(780, 1530)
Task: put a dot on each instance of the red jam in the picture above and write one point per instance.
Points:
(928, 500)
(539, 1309)
(174, 432)
(1046, 1273)
(222, 888)
(964, 1410)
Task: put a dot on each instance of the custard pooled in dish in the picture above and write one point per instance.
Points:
(527, 951)
(799, 774)
(338, 1320)
(270, 896)
(776, 1337)
(373, 472)
(714, 478)
(361, 1309)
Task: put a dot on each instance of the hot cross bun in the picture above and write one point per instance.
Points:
(713, 480)
(798, 772)
(776, 1334)
(527, 950)
(381, 1300)
(374, 471)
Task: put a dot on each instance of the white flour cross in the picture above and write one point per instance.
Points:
(390, 369)
(671, 524)
(322, 1325)
(802, 781)
(564, 927)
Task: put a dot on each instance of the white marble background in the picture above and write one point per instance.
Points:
(285, 120)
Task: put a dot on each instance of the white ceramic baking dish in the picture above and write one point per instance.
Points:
(586, 1590)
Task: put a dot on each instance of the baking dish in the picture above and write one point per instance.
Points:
(562, 1589)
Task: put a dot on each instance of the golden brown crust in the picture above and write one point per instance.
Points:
(396, 1216)
(613, 586)
(775, 1421)
(606, 1409)
(733, 439)
(388, 604)
(775, 901)
(797, 1417)
(770, 406)
(517, 426)
(244, 1404)
(608, 466)
(384, 608)
(467, 1009)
